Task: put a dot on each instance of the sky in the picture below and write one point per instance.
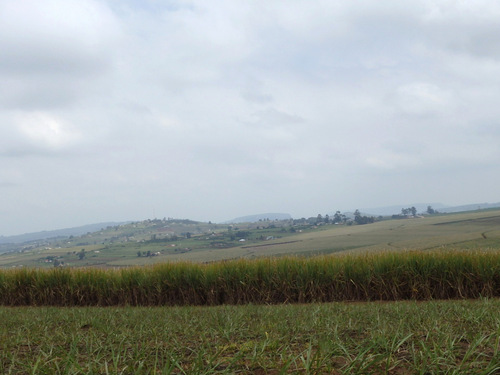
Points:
(120, 110)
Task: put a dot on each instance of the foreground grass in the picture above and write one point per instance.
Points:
(453, 337)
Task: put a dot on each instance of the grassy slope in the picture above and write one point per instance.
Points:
(425, 233)
(464, 230)
(459, 337)
(459, 230)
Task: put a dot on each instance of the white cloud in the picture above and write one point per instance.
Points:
(44, 130)
(36, 133)
(421, 99)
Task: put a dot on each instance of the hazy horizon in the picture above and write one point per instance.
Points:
(379, 210)
(119, 110)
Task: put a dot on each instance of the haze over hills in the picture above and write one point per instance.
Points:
(469, 207)
(259, 217)
(396, 209)
(383, 211)
(154, 241)
(66, 232)
(422, 207)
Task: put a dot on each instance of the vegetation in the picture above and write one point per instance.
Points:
(181, 240)
(458, 259)
(431, 211)
(438, 337)
(385, 276)
(360, 220)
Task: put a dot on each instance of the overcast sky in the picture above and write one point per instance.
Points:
(208, 110)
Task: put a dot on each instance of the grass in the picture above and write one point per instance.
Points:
(415, 275)
(461, 260)
(452, 337)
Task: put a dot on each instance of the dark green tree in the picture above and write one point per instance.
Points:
(357, 216)
(360, 220)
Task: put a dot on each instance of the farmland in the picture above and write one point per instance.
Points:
(172, 241)
(384, 276)
(453, 337)
(416, 296)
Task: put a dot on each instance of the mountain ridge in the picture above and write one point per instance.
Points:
(259, 217)
(65, 232)
(384, 211)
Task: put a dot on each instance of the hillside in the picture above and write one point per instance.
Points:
(66, 232)
(154, 241)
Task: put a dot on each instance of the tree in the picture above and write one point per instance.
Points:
(242, 234)
(360, 220)
(357, 216)
(413, 211)
(340, 218)
(81, 254)
(431, 210)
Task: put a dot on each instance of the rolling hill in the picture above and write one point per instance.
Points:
(155, 241)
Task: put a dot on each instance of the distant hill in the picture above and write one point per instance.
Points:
(422, 208)
(76, 231)
(258, 217)
(394, 210)
(384, 211)
(469, 207)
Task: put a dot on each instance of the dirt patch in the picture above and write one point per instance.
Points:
(269, 244)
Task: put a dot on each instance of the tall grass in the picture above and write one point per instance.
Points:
(382, 276)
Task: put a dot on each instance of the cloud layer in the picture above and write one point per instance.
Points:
(118, 110)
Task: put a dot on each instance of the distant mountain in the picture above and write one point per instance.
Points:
(76, 231)
(258, 217)
(394, 210)
(469, 207)
(422, 208)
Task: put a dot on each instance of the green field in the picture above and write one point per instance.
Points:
(119, 246)
(427, 259)
(439, 337)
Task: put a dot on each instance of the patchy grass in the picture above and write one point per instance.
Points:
(454, 337)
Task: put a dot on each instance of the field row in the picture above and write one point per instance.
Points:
(413, 275)
(437, 337)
